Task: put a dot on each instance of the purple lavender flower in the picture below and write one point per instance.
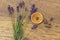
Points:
(33, 9)
(17, 8)
(10, 9)
(34, 26)
(20, 17)
(33, 6)
(22, 4)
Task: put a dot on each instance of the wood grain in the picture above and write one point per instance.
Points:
(49, 8)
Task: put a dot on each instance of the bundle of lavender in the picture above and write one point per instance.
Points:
(17, 27)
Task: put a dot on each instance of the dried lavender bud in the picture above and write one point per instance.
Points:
(34, 26)
(33, 6)
(51, 19)
(22, 4)
(10, 9)
(48, 25)
(20, 17)
(17, 8)
(34, 10)
(45, 21)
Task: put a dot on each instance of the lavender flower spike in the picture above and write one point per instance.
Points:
(10, 9)
(20, 17)
(33, 9)
(22, 4)
(33, 6)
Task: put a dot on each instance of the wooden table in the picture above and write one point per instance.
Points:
(49, 8)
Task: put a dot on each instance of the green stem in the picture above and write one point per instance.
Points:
(18, 32)
(13, 22)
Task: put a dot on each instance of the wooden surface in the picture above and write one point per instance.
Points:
(49, 8)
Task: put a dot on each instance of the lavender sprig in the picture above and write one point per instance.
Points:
(18, 31)
(33, 9)
(10, 9)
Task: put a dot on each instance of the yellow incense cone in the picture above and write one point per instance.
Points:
(36, 18)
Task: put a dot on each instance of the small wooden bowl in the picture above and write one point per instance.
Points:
(36, 18)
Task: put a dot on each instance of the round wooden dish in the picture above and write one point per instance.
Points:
(36, 18)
